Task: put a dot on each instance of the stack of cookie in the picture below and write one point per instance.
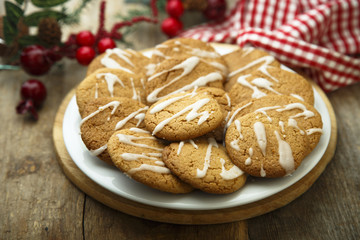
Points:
(188, 118)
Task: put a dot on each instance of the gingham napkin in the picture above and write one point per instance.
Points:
(317, 35)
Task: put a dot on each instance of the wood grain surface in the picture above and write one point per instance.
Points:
(37, 201)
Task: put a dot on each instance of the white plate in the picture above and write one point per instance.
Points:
(113, 180)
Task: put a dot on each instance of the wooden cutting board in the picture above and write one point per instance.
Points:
(238, 213)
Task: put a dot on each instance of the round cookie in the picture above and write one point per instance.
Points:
(127, 60)
(274, 103)
(261, 149)
(103, 116)
(139, 155)
(271, 141)
(183, 116)
(106, 82)
(177, 75)
(187, 47)
(224, 101)
(271, 81)
(244, 61)
(205, 165)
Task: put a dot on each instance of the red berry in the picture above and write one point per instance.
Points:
(174, 8)
(35, 90)
(105, 43)
(54, 53)
(215, 9)
(85, 38)
(33, 94)
(34, 60)
(171, 26)
(85, 54)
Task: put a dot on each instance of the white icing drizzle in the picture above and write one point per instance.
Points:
(161, 46)
(128, 139)
(246, 51)
(136, 156)
(97, 152)
(264, 109)
(190, 116)
(181, 144)
(160, 54)
(202, 173)
(96, 90)
(266, 59)
(138, 130)
(150, 69)
(228, 99)
(108, 62)
(176, 49)
(160, 163)
(135, 95)
(160, 106)
(264, 83)
(297, 96)
(248, 160)
(193, 143)
(306, 113)
(281, 124)
(187, 65)
(238, 128)
(114, 104)
(110, 79)
(256, 92)
(232, 173)
(122, 122)
(293, 123)
(286, 158)
(140, 117)
(262, 171)
(235, 144)
(144, 167)
(313, 130)
(260, 134)
(236, 112)
(142, 80)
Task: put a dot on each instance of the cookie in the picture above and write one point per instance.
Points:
(103, 116)
(224, 101)
(139, 155)
(177, 75)
(271, 81)
(205, 165)
(244, 61)
(128, 60)
(187, 47)
(274, 137)
(183, 116)
(106, 82)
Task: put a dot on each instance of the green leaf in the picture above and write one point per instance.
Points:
(47, 3)
(20, 2)
(28, 40)
(34, 18)
(13, 13)
(10, 31)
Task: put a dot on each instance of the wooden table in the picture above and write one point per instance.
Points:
(37, 201)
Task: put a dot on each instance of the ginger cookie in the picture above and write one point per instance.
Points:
(187, 47)
(106, 82)
(204, 164)
(128, 60)
(139, 155)
(271, 81)
(177, 75)
(272, 140)
(104, 116)
(244, 61)
(183, 116)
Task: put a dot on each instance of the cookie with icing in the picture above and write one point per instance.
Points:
(271, 81)
(183, 116)
(128, 60)
(187, 47)
(181, 74)
(104, 116)
(270, 137)
(224, 101)
(106, 82)
(246, 60)
(139, 155)
(204, 164)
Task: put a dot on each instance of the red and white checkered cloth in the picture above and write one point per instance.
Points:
(316, 35)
